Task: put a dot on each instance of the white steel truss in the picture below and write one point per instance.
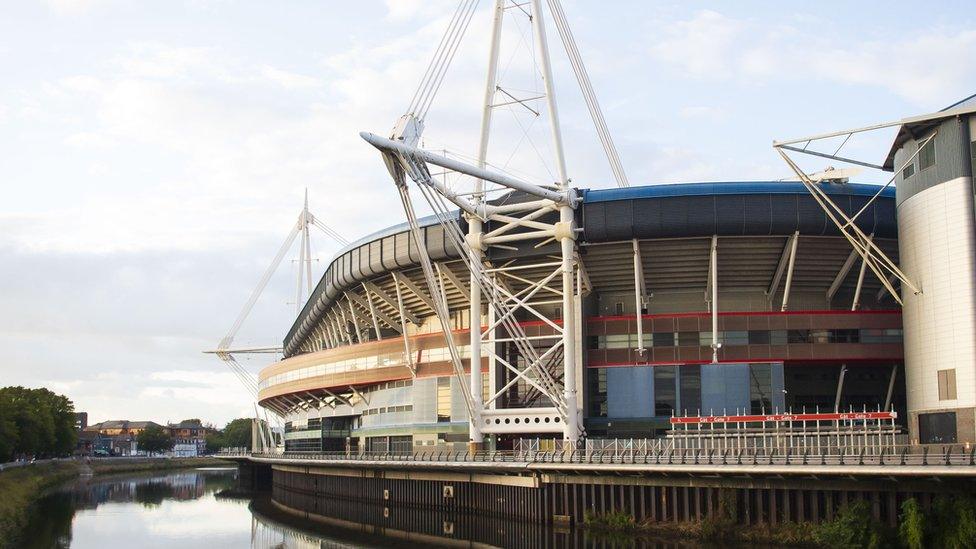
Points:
(545, 366)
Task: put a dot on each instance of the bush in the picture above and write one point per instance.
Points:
(952, 522)
(616, 522)
(911, 527)
(852, 527)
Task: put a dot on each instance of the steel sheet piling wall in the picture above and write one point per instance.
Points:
(559, 499)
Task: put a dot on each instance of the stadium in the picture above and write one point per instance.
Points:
(695, 299)
(794, 310)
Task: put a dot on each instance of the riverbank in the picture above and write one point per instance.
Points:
(21, 487)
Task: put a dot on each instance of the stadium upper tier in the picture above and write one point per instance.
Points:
(673, 225)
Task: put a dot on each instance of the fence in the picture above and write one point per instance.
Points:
(851, 432)
(957, 455)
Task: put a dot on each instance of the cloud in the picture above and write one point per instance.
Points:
(289, 79)
(74, 7)
(928, 67)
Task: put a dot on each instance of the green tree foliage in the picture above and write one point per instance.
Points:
(853, 527)
(237, 433)
(35, 422)
(154, 439)
(911, 527)
(951, 522)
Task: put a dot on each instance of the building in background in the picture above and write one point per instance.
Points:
(189, 437)
(119, 437)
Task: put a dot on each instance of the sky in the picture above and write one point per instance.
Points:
(154, 155)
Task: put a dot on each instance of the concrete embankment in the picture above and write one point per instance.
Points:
(21, 487)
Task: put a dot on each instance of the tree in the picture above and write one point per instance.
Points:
(154, 439)
(35, 422)
(215, 441)
(237, 433)
(9, 434)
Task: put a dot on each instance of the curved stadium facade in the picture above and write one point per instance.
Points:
(801, 325)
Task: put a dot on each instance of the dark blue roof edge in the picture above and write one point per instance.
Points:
(730, 188)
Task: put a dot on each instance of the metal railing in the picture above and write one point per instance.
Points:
(899, 456)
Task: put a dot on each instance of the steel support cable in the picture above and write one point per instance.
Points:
(442, 58)
(259, 289)
(864, 250)
(892, 179)
(496, 300)
(244, 375)
(330, 232)
(589, 96)
(439, 78)
(865, 243)
(440, 308)
(414, 101)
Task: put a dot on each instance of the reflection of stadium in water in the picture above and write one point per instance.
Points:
(343, 523)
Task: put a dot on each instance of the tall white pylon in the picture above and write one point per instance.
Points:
(304, 287)
(545, 219)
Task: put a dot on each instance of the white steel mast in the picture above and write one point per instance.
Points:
(523, 222)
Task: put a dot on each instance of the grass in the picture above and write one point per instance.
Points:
(22, 487)
(123, 465)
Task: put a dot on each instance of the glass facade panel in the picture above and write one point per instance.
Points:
(663, 339)
(751, 337)
(665, 399)
(735, 338)
(443, 399)
(759, 337)
(690, 382)
(760, 388)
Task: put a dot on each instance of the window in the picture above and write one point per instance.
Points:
(938, 428)
(845, 335)
(926, 158)
(735, 338)
(908, 171)
(758, 337)
(778, 337)
(947, 384)
(972, 155)
(688, 339)
(598, 392)
(663, 339)
(664, 391)
(798, 336)
(443, 400)
(618, 308)
(760, 388)
(690, 383)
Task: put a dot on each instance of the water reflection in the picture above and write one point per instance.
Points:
(205, 508)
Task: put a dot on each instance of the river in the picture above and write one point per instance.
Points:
(205, 509)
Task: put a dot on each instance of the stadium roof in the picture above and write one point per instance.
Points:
(731, 187)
